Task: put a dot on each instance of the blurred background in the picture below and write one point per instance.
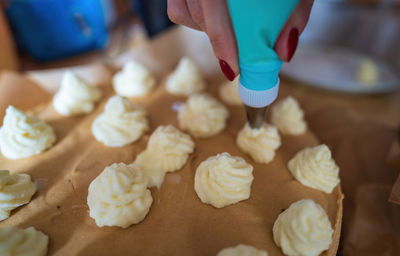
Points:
(40, 34)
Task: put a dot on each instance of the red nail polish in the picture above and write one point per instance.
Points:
(292, 42)
(226, 69)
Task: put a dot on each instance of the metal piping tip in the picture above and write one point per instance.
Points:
(256, 116)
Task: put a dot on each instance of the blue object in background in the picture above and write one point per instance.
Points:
(53, 29)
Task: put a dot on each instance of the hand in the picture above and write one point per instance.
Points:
(212, 17)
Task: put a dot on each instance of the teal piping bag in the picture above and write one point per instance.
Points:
(257, 24)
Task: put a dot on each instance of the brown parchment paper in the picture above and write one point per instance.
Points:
(13, 86)
(178, 223)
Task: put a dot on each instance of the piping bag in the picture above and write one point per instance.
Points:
(257, 24)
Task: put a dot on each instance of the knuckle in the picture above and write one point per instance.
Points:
(173, 13)
(199, 20)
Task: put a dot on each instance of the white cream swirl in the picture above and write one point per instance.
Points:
(314, 167)
(168, 150)
(120, 123)
(242, 250)
(75, 96)
(134, 80)
(23, 136)
(203, 116)
(288, 117)
(228, 92)
(186, 79)
(303, 229)
(15, 190)
(22, 242)
(119, 196)
(223, 179)
(259, 143)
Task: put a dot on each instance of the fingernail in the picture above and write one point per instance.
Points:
(292, 43)
(226, 69)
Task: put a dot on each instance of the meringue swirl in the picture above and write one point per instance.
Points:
(259, 143)
(203, 116)
(75, 96)
(314, 167)
(23, 242)
(223, 179)
(15, 190)
(133, 80)
(119, 196)
(120, 123)
(168, 150)
(186, 79)
(288, 117)
(303, 229)
(23, 136)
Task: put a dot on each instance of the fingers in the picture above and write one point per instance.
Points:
(211, 16)
(178, 12)
(196, 12)
(287, 41)
(217, 24)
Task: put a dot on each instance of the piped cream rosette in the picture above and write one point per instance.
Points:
(133, 80)
(120, 124)
(223, 179)
(242, 250)
(260, 143)
(368, 73)
(119, 196)
(23, 136)
(314, 167)
(168, 150)
(75, 96)
(288, 117)
(303, 229)
(203, 116)
(22, 242)
(228, 92)
(15, 190)
(186, 79)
